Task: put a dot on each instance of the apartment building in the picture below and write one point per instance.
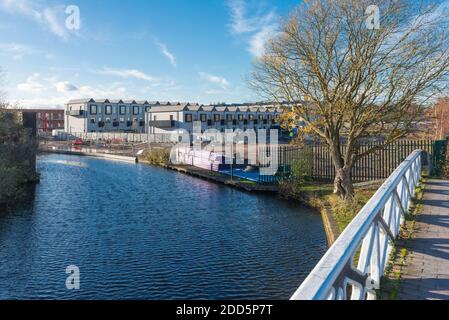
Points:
(182, 116)
(154, 117)
(103, 115)
(47, 120)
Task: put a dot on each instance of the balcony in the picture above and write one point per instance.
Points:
(162, 123)
(75, 113)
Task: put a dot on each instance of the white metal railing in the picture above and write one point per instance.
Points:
(353, 266)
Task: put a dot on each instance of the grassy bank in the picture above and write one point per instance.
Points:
(336, 213)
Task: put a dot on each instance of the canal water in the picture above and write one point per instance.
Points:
(140, 232)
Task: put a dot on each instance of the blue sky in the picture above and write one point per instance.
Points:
(180, 50)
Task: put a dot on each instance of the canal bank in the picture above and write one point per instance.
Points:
(108, 156)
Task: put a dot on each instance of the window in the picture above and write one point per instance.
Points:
(203, 118)
(188, 118)
(108, 109)
(92, 120)
(251, 117)
(93, 109)
(216, 117)
(122, 119)
(122, 110)
(135, 110)
(240, 117)
(229, 117)
(114, 110)
(260, 116)
(108, 120)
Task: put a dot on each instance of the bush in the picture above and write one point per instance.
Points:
(445, 164)
(17, 156)
(298, 177)
(157, 157)
(445, 168)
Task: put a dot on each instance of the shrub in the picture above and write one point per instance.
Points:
(157, 156)
(17, 156)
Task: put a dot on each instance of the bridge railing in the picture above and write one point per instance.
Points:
(353, 266)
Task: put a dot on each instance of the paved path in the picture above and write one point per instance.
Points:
(427, 271)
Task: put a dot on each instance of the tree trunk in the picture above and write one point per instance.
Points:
(343, 182)
(343, 167)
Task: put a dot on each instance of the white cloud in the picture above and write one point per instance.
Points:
(50, 18)
(57, 94)
(258, 41)
(260, 27)
(31, 85)
(221, 82)
(17, 51)
(170, 56)
(127, 74)
(65, 86)
(239, 23)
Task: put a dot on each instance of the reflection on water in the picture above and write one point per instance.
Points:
(139, 232)
(65, 162)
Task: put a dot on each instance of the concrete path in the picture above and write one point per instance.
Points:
(426, 275)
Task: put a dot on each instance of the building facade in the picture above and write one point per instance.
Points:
(90, 115)
(172, 118)
(48, 120)
(105, 115)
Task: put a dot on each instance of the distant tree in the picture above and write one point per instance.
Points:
(359, 81)
(17, 153)
(441, 118)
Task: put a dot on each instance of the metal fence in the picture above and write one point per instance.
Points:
(353, 266)
(316, 160)
(120, 137)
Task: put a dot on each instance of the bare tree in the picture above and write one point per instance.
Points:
(441, 118)
(359, 82)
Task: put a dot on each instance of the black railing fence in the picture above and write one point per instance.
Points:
(315, 161)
